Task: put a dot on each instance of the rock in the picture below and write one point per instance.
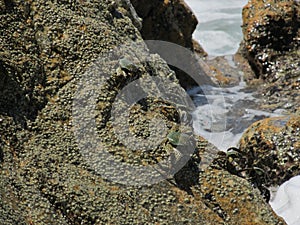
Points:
(173, 21)
(271, 36)
(130, 12)
(51, 55)
(270, 150)
(197, 48)
(232, 197)
(1, 151)
(170, 20)
(2, 6)
(271, 46)
(223, 70)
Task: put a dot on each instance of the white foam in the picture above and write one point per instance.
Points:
(286, 202)
(257, 112)
(223, 114)
(210, 117)
(218, 30)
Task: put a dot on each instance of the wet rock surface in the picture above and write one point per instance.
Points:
(271, 31)
(270, 150)
(271, 46)
(46, 48)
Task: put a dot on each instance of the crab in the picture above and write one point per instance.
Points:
(127, 65)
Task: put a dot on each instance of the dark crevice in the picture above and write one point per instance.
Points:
(210, 202)
(9, 5)
(16, 102)
(188, 176)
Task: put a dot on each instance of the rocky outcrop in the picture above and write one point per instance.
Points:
(272, 37)
(61, 76)
(223, 199)
(271, 46)
(173, 21)
(169, 20)
(270, 150)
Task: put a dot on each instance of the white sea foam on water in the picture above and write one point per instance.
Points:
(222, 114)
(218, 30)
(286, 202)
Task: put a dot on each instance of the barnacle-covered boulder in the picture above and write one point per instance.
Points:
(270, 150)
(271, 36)
(271, 46)
(54, 111)
(232, 197)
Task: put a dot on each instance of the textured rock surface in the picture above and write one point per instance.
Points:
(45, 49)
(271, 31)
(271, 46)
(172, 21)
(271, 149)
(169, 20)
(218, 188)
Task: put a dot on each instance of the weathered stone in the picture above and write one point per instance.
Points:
(234, 199)
(271, 35)
(271, 46)
(173, 21)
(169, 20)
(270, 150)
(46, 48)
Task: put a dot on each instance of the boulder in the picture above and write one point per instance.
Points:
(271, 37)
(269, 150)
(173, 21)
(271, 47)
(170, 20)
(60, 65)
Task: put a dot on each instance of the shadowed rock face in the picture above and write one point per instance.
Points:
(173, 21)
(45, 50)
(271, 35)
(167, 20)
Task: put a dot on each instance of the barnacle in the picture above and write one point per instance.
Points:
(242, 164)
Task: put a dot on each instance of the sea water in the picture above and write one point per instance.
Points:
(222, 114)
(219, 29)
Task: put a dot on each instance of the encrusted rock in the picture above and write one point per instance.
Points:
(172, 21)
(270, 150)
(231, 197)
(271, 34)
(46, 48)
(271, 46)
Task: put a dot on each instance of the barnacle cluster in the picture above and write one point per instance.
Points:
(270, 31)
(46, 48)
